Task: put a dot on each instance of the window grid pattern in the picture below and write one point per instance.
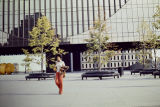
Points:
(123, 58)
(73, 18)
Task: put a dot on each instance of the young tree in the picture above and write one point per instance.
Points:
(153, 43)
(155, 37)
(43, 40)
(144, 32)
(98, 43)
(27, 60)
(149, 40)
(150, 36)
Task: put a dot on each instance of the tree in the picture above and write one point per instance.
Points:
(43, 40)
(155, 39)
(145, 33)
(150, 38)
(98, 43)
(27, 60)
(150, 35)
(153, 43)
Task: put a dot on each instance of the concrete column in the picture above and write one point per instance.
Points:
(122, 58)
(81, 61)
(71, 58)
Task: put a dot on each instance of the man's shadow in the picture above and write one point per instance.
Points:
(28, 94)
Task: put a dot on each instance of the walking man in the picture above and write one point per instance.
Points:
(59, 75)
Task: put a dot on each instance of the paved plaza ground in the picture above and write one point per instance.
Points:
(127, 91)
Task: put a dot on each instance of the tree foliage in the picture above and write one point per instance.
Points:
(98, 43)
(150, 38)
(27, 60)
(43, 40)
(156, 16)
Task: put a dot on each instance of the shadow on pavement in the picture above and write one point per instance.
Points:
(29, 94)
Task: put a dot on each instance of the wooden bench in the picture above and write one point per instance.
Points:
(156, 73)
(136, 71)
(39, 76)
(99, 74)
(147, 71)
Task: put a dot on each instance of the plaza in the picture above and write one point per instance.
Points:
(91, 35)
(127, 91)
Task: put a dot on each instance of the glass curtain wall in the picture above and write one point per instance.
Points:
(73, 18)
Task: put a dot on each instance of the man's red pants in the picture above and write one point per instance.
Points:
(59, 82)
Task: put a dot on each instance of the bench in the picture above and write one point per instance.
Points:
(136, 71)
(156, 73)
(99, 74)
(39, 76)
(147, 71)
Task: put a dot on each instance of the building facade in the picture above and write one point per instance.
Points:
(72, 20)
(125, 58)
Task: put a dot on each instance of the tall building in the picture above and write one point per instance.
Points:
(72, 20)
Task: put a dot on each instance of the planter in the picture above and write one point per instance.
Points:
(9, 68)
(2, 69)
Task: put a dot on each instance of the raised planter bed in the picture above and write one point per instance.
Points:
(39, 76)
(136, 71)
(147, 71)
(99, 74)
(156, 73)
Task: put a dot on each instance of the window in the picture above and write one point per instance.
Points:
(122, 64)
(89, 58)
(132, 57)
(107, 64)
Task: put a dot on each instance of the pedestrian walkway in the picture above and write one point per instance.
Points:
(127, 91)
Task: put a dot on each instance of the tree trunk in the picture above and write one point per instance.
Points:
(99, 60)
(99, 53)
(155, 58)
(25, 69)
(143, 56)
(42, 59)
